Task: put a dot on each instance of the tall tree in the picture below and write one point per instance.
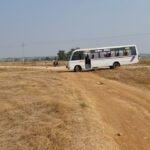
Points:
(61, 55)
(68, 54)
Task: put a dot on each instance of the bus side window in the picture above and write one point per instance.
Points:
(96, 55)
(99, 55)
(112, 53)
(125, 53)
(108, 54)
(102, 54)
(133, 51)
(129, 52)
(105, 54)
(117, 53)
(121, 53)
(92, 56)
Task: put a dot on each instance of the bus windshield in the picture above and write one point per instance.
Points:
(78, 55)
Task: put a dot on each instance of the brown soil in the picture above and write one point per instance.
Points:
(59, 110)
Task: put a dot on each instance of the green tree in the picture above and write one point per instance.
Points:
(61, 55)
(68, 54)
(47, 58)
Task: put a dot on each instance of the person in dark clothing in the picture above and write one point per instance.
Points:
(87, 61)
(55, 62)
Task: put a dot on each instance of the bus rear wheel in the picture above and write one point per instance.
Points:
(77, 68)
(115, 65)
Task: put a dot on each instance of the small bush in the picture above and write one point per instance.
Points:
(83, 105)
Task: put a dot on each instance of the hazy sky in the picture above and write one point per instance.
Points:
(45, 26)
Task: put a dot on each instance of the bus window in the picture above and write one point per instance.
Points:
(107, 54)
(92, 57)
(125, 53)
(118, 52)
(101, 54)
(121, 53)
(133, 50)
(92, 51)
(78, 55)
(95, 55)
(112, 53)
(129, 52)
(92, 54)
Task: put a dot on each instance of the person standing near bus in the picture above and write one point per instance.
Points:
(87, 61)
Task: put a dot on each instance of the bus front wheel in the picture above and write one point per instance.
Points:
(77, 68)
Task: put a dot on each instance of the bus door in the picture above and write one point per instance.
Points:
(77, 59)
(87, 61)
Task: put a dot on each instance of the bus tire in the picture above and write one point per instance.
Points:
(77, 68)
(115, 65)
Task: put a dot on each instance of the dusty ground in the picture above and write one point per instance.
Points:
(144, 61)
(59, 110)
(49, 63)
(31, 63)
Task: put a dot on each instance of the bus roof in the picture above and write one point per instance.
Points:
(87, 49)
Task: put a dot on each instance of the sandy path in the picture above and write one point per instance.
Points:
(122, 111)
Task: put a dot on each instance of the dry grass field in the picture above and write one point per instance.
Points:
(58, 110)
(30, 63)
(139, 77)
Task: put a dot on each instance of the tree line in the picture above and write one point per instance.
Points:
(63, 55)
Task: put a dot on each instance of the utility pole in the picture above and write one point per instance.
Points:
(23, 45)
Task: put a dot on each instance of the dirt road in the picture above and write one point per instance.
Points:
(123, 110)
(78, 111)
(61, 68)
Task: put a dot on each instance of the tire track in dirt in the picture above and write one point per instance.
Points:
(122, 111)
(90, 132)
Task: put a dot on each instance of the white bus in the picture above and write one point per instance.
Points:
(94, 58)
